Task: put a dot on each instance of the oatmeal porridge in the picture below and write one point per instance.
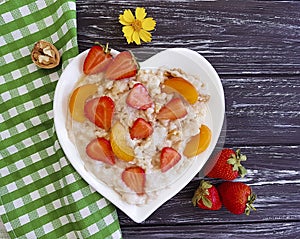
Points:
(153, 117)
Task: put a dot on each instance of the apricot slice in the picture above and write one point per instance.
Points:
(198, 143)
(118, 140)
(182, 87)
(77, 101)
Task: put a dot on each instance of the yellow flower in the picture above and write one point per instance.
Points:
(136, 28)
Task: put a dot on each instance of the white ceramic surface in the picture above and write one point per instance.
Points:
(188, 60)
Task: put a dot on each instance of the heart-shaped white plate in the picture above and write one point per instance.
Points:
(189, 61)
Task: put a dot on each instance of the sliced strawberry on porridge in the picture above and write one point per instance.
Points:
(135, 178)
(97, 60)
(139, 97)
(123, 66)
(140, 129)
(174, 109)
(100, 111)
(169, 157)
(100, 149)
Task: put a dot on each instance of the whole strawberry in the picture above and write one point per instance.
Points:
(228, 165)
(207, 197)
(237, 197)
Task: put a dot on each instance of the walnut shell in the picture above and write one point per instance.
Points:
(45, 55)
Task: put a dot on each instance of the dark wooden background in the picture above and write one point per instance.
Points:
(255, 48)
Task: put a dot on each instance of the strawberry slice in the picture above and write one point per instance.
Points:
(100, 111)
(123, 66)
(140, 129)
(173, 110)
(139, 97)
(97, 60)
(135, 178)
(100, 149)
(168, 158)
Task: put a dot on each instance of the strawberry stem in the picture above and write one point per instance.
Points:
(235, 161)
(249, 206)
(106, 50)
(201, 194)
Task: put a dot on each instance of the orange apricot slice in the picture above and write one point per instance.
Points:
(78, 99)
(182, 87)
(118, 140)
(198, 143)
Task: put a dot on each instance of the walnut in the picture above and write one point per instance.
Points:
(45, 55)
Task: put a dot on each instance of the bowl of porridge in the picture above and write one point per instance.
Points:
(138, 132)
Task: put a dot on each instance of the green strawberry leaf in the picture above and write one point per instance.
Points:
(235, 161)
(206, 202)
(242, 171)
(250, 200)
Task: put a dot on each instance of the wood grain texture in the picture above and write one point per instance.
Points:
(253, 37)
(262, 110)
(255, 48)
(219, 231)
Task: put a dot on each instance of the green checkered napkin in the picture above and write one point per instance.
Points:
(41, 196)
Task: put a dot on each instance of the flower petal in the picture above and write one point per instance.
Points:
(140, 13)
(145, 36)
(136, 38)
(128, 32)
(122, 21)
(128, 16)
(148, 24)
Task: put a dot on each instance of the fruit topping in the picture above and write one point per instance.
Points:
(182, 87)
(140, 129)
(78, 99)
(123, 66)
(135, 178)
(173, 110)
(97, 60)
(169, 157)
(198, 143)
(100, 111)
(139, 97)
(118, 139)
(100, 149)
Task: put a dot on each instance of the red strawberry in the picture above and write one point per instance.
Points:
(140, 129)
(135, 178)
(207, 197)
(169, 157)
(123, 66)
(173, 110)
(139, 97)
(97, 60)
(100, 149)
(100, 111)
(237, 197)
(228, 165)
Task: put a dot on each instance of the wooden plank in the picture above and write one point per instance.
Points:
(238, 37)
(220, 231)
(273, 174)
(262, 110)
